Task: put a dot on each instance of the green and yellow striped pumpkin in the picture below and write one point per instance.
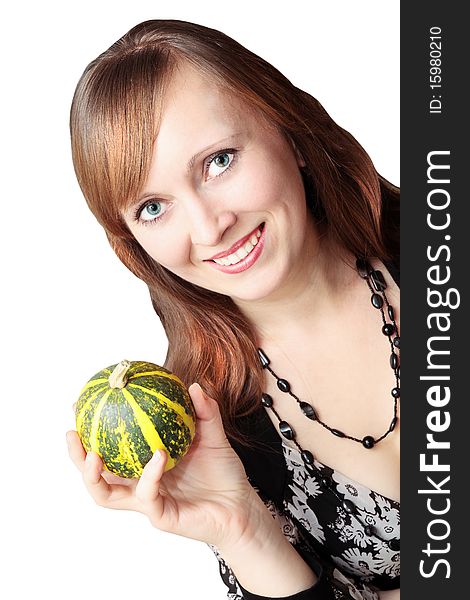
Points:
(126, 411)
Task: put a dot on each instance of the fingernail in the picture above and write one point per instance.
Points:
(156, 456)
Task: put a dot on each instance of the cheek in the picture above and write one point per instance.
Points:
(259, 189)
(281, 192)
(275, 175)
(165, 246)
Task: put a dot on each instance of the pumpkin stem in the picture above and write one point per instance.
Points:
(118, 378)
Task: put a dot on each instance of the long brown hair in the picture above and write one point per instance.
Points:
(114, 121)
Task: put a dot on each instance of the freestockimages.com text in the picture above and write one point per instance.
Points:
(441, 298)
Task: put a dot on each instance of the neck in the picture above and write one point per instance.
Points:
(315, 290)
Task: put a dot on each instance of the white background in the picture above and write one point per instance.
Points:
(70, 308)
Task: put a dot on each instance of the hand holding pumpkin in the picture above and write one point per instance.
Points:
(206, 496)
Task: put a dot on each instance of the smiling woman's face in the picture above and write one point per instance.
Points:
(218, 172)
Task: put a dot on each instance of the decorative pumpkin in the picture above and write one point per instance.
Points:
(127, 411)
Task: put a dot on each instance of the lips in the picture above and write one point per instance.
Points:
(237, 263)
(237, 245)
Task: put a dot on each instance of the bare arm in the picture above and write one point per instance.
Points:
(265, 563)
(390, 595)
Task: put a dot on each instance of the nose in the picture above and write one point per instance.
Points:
(207, 224)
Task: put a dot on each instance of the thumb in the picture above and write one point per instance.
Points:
(209, 418)
(206, 407)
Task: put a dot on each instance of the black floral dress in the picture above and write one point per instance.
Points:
(349, 563)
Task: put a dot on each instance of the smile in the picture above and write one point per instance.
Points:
(245, 256)
(236, 257)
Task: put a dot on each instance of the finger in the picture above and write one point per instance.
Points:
(210, 426)
(110, 495)
(93, 468)
(103, 493)
(76, 451)
(206, 407)
(147, 490)
(116, 479)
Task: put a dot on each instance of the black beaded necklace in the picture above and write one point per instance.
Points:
(377, 285)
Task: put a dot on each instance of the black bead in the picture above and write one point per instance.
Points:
(391, 314)
(325, 482)
(363, 268)
(368, 442)
(349, 506)
(393, 360)
(395, 392)
(266, 400)
(388, 329)
(283, 385)
(308, 410)
(393, 545)
(393, 423)
(263, 358)
(396, 341)
(338, 433)
(307, 457)
(377, 300)
(378, 281)
(369, 530)
(286, 430)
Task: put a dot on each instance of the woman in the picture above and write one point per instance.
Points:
(244, 208)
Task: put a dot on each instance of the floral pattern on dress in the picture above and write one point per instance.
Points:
(233, 589)
(357, 558)
(304, 515)
(355, 592)
(323, 516)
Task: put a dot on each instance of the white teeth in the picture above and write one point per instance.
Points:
(237, 256)
(222, 261)
(241, 253)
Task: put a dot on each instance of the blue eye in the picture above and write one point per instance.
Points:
(149, 213)
(220, 163)
(153, 209)
(222, 160)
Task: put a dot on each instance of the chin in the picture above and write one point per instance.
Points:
(254, 293)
